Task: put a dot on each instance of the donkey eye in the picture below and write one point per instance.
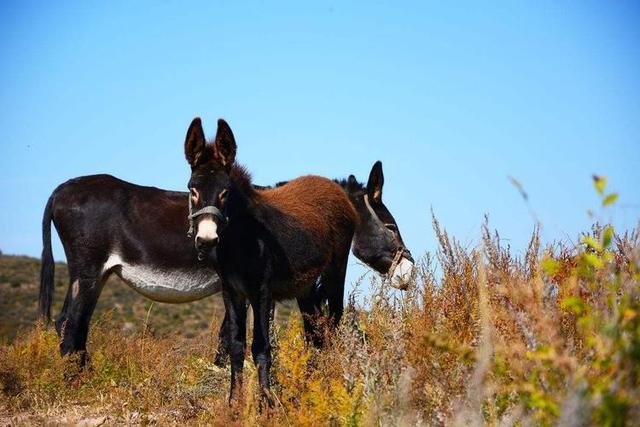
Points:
(391, 227)
(194, 194)
(223, 196)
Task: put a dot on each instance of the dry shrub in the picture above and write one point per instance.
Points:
(481, 337)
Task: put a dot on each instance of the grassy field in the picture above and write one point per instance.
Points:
(19, 284)
(130, 311)
(549, 337)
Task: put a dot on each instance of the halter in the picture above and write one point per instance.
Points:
(396, 259)
(207, 210)
(401, 248)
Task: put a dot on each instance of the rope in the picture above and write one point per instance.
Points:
(207, 210)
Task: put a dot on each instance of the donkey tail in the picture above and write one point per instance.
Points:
(48, 266)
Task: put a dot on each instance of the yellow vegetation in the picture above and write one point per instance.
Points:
(481, 337)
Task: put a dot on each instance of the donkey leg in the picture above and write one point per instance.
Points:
(222, 353)
(311, 308)
(333, 285)
(236, 311)
(62, 317)
(73, 323)
(261, 346)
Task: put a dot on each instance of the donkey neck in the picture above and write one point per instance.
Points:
(244, 199)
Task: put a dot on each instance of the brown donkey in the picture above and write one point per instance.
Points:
(267, 245)
(105, 229)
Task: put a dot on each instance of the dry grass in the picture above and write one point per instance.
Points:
(552, 337)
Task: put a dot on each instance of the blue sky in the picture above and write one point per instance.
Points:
(453, 98)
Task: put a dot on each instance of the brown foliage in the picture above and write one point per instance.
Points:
(481, 337)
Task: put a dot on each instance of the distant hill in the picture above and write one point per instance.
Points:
(19, 283)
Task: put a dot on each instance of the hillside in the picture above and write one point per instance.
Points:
(128, 310)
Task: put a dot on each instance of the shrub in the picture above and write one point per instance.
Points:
(481, 337)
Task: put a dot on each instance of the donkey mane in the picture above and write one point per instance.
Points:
(351, 185)
(242, 178)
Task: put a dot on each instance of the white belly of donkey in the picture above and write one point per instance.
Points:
(166, 285)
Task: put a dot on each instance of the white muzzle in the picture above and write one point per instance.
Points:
(207, 230)
(401, 275)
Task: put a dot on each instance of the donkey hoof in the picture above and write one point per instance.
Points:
(75, 365)
(268, 397)
(221, 360)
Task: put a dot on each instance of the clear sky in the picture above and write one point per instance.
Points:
(453, 97)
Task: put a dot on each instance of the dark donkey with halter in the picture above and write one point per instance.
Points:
(105, 228)
(269, 245)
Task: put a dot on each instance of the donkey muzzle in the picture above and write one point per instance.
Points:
(401, 270)
(205, 246)
(206, 237)
(401, 274)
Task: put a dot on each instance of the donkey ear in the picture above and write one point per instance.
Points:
(194, 143)
(224, 148)
(376, 181)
